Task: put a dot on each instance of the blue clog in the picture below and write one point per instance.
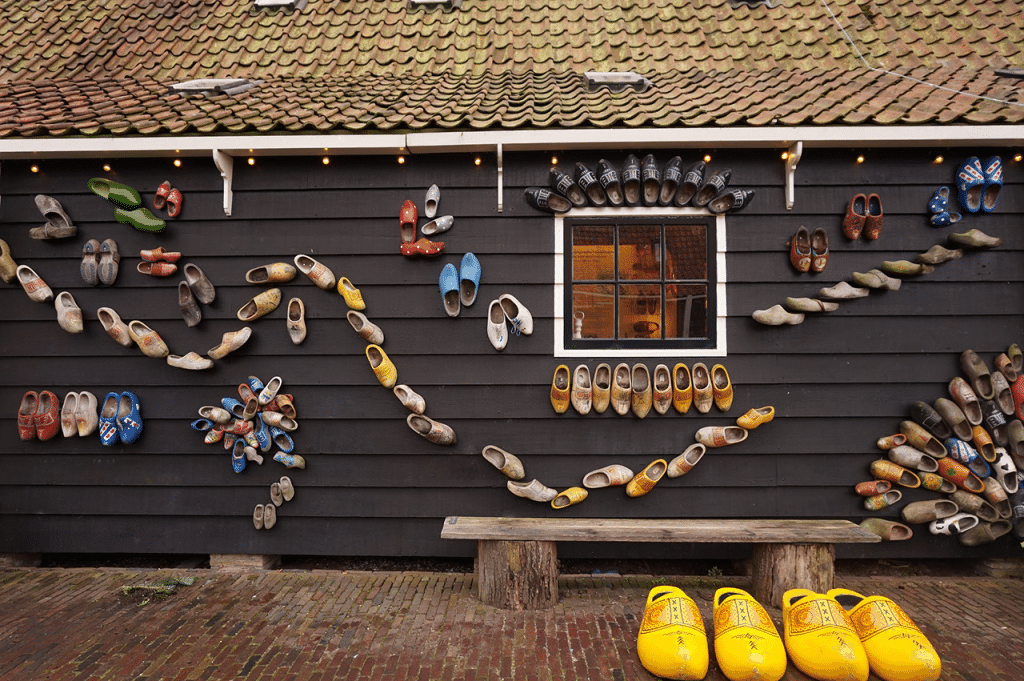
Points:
(202, 425)
(234, 406)
(993, 170)
(970, 181)
(238, 459)
(282, 439)
(108, 418)
(129, 417)
(260, 431)
(945, 218)
(449, 283)
(469, 279)
(939, 201)
(255, 384)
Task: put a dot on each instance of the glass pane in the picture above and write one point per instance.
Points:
(640, 252)
(686, 311)
(686, 247)
(593, 311)
(640, 311)
(593, 258)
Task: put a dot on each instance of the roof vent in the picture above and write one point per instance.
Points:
(735, 4)
(616, 81)
(283, 4)
(434, 4)
(213, 86)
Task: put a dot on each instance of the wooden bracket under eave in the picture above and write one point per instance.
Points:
(226, 166)
(501, 164)
(792, 159)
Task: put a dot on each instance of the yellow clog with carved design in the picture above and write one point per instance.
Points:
(896, 648)
(353, 297)
(820, 639)
(382, 365)
(747, 644)
(672, 643)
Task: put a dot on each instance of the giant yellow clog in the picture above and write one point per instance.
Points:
(820, 639)
(896, 648)
(672, 643)
(747, 644)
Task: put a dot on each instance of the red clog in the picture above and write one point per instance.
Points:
(47, 416)
(407, 222)
(800, 250)
(159, 254)
(873, 221)
(174, 199)
(856, 216)
(423, 247)
(819, 250)
(26, 416)
(162, 192)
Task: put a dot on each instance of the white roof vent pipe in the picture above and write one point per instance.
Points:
(616, 81)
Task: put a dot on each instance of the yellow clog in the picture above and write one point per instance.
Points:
(560, 389)
(353, 298)
(747, 644)
(820, 639)
(672, 643)
(682, 388)
(569, 497)
(644, 481)
(756, 417)
(721, 386)
(896, 648)
(382, 366)
(264, 303)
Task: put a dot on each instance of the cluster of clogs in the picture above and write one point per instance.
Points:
(636, 389)
(615, 475)
(259, 419)
(969, 447)
(408, 226)
(638, 182)
(41, 416)
(838, 636)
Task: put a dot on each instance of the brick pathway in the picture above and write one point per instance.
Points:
(404, 626)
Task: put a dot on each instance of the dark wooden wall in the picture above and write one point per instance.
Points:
(373, 487)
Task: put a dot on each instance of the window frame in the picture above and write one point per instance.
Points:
(656, 348)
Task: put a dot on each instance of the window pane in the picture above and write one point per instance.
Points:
(593, 258)
(687, 250)
(640, 252)
(686, 311)
(593, 310)
(640, 311)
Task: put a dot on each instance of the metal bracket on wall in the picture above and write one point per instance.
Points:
(226, 165)
(792, 158)
(500, 169)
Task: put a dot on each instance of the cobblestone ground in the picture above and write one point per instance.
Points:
(284, 625)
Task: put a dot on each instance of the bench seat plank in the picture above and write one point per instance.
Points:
(667, 530)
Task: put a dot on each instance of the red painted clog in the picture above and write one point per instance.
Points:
(407, 222)
(856, 216)
(423, 247)
(162, 192)
(47, 417)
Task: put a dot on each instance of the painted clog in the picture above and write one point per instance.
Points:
(756, 417)
(602, 387)
(896, 649)
(274, 273)
(682, 388)
(129, 417)
(33, 284)
(894, 473)
(672, 643)
(569, 497)
(642, 396)
(148, 340)
(108, 419)
(621, 390)
(644, 481)
(383, 368)
(140, 218)
(581, 396)
(560, 390)
(720, 436)
(469, 278)
(609, 476)
(69, 315)
(353, 297)
(747, 644)
(534, 490)
(820, 639)
(703, 392)
(318, 273)
(262, 304)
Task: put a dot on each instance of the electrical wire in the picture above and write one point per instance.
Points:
(860, 56)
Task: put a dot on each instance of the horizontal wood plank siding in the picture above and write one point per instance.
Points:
(372, 487)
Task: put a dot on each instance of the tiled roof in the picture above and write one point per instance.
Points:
(74, 67)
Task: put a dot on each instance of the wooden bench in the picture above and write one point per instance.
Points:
(517, 560)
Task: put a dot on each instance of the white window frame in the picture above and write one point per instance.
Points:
(721, 347)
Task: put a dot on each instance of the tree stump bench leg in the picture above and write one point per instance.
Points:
(777, 568)
(517, 575)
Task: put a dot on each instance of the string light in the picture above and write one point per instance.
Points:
(106, 167)
(938, 160)
(252, 161)
(177, 163)
(860, 159)
(785, 155)
(1018, 158)
(401, 160)
(34, 169)
(326, 161)
(554, 160)
(707, 158)
(477, 161)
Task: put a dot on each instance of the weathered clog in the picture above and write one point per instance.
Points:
(888, 530)
(602, 387)
(642, 396)
(433, 431)
(684, 463)
(274, 273)
(507, 463)
(976, 370)
(921, 512)
(318, 273)
(621, 390)
(720, 436)
(682, 388)
(581, 396)
(262, 304)
(662, 387)
(534, 490)
(410, 399)
(609, 476)
(147, 339)
(703, 392)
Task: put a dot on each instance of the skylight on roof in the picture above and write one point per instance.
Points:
(433, 4)
(616, 81)
(750, 3)
(283, 4)
(214, 86)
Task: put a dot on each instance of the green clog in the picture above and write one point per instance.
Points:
(140, 218)
(121, 194)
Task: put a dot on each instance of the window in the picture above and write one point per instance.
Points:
(640, 281)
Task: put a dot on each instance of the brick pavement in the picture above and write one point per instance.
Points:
(289, 625)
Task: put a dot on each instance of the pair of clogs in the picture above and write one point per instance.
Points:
(672, 643)
(843, 635)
